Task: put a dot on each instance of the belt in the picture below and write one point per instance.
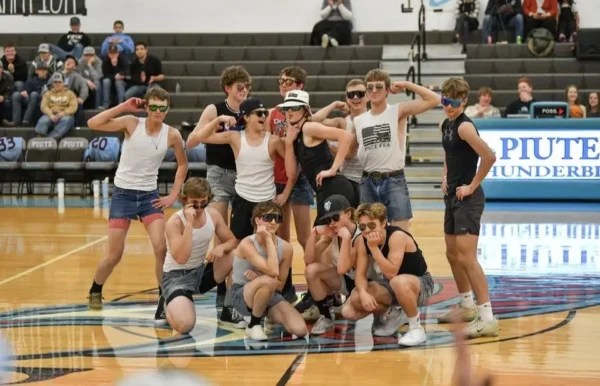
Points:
(382, 175)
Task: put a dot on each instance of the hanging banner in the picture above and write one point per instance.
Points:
(42, 7)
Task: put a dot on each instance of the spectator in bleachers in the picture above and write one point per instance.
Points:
(145, 71)
(76, 83)
(123, 41)
(44, 55)
(592, 107)
(335, 26)
(16, 65)
(71, 43)
(90, 67)
(467, 20)
(540, 14)
(568, 20)
(6, 87)
(502, 14)
(59, 105)
(576, 110)
(523, 103)
(114, 70)
(30, 98)
(483, 109)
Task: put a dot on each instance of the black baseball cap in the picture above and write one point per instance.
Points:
(249, 105)
(333, 205)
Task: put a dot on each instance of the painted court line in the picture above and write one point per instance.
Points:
(67, 235)
(57, 258)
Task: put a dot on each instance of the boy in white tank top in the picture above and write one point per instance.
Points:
(189, 269)
(381, 137)
(135, 195)
(254, 151)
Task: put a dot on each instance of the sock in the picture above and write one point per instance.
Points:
(466, 300)
(228, 299)
(414, 322)
(159, 291)
(288, 286)
(96, 287)
(485, 312)
(254, 320)
(323, 308)
(221, 288)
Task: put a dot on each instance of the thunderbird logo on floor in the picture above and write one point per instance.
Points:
(128, 326)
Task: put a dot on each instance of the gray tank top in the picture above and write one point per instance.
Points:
(240, 266)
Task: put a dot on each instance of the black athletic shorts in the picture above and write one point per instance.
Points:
(241, 217)
(335, 185)
(462, 217)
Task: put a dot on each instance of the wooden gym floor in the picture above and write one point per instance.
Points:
(543, 269)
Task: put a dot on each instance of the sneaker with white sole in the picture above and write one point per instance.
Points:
(392, 320)
(230, 316)
(413, 337)
(256, 333)
(479, 328)
(311, 314)
(459, 314)
(322, 325)
(377, 323)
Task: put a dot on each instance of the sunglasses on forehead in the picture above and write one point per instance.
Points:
(370, 225)
(356, 94)
(162, 109)
(451, 102)
(269, 217)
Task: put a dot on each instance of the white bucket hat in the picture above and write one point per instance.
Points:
(295, 98)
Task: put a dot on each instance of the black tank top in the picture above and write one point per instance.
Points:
(222, 155)
(312, 160)
(413, 263)
(461, 159)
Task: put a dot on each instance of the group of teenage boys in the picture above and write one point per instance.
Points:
(361, 249)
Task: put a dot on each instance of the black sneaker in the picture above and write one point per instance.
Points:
(221, 293)
(160, 317)
(290, 295)
(230, 316)
(305, 303)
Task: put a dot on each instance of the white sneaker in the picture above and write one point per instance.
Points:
(479, 328)
(334, 42)
(322, 325)
(392, 320)
(413, 337)
(311, 314)
(256, 333)
(324, 40)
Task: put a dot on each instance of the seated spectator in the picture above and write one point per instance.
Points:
(335, 27)
(15, 65)
(71, 43)
(6, 88)
(44, 55)
(466, 21)
(592, 107)
(59, 105)
(145, 72)
(502, 14)
(568, 21)
(114, 70)
(576, 110)
(90, 67)
(523, 103)
(124, 42)
(540, 14)
(29, 98)
(484, 108)
(75, 82)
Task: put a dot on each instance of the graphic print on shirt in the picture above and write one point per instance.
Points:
(279, 127)
(377, 137)
(448, 133)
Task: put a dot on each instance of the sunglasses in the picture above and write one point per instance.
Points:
(292, 108)
(371, 226)
(287, 81)
(163, 109)
(356, 94)
(199, 205)
(378, 86)
(261, 113)
(241, 87)
(334, 218)
(451, 102)
(269, 217)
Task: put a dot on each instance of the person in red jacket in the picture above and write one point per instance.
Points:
(540, 14)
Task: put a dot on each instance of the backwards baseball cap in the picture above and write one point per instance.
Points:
(57, 77)
(249, 105)
(333, 205)
(295, 98)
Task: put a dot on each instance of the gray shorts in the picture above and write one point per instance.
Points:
(237, 297)
(187, 282)
(222, 183)
(464, 216)
(427, 286)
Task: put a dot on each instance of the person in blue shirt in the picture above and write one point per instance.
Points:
(123, 41)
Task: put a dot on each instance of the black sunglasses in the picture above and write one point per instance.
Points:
(292, 108)
(269, 217)
(261, 113)
(163, 109)
(334, 218)
(371, 226)
(356, 94)
(199, 205)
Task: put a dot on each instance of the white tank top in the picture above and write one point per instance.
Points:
(255, 180)
(141, 156)
(201, 238)
(378, 141)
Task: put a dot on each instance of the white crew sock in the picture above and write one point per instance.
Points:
(466, 300)
(485, 312)
(414, 322)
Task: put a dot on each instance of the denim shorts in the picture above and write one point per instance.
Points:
(187, 282)
(427, 287)
(237, 298)
(222, 182)
(391, 192)
(302, 193)
(128, 204)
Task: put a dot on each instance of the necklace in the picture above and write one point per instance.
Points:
(159, 137)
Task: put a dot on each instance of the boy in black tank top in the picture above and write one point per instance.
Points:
(464, 200)
(402, 277)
